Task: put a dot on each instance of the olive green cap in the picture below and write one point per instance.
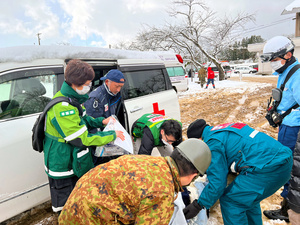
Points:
(197, 152)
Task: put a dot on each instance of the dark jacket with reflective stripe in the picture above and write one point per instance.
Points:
(101, 103)
(294, 188)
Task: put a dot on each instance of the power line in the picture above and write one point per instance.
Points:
(264, 26)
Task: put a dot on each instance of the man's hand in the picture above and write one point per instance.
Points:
(192, 210)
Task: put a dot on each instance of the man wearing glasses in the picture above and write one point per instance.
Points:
(154, 130)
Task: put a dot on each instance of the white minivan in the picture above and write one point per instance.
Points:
(29, 78)
(244, 70)
(175, 69)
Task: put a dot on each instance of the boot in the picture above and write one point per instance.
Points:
(280, 214)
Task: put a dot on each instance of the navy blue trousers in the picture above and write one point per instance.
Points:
(287, 136)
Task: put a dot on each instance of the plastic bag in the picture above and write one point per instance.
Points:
(117, 147)
(201, 218)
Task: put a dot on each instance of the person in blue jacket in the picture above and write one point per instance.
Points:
(262, 165)
(104, 102)
(279, 52)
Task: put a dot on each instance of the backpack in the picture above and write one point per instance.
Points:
(38, 130)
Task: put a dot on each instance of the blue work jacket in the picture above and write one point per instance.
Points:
(101, 103)
(290, 96)
(240, 145)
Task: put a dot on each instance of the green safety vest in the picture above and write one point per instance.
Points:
(153, 122)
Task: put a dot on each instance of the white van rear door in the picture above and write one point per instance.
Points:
(147, 89)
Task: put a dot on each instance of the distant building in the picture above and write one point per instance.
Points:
(265, 68)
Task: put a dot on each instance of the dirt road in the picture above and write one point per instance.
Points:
(225, 105)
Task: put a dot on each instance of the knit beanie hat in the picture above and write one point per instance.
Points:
(196, 128)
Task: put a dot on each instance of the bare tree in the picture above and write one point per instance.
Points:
(197, 33)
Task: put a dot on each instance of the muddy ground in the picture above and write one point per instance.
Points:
(216, 107)
(221, 106)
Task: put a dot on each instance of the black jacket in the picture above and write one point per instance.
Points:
(147, 142)
(294, 188)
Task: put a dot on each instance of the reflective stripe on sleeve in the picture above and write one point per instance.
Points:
(76, 134)
(82, 153)
(254, 133)
(59, 174)
(84, 113)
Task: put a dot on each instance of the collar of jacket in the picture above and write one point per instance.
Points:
(68, 91)
(286, 65)
(175, 174)
(108, 91)
(290, 64)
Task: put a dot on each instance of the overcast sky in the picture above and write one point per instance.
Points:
(104, 22)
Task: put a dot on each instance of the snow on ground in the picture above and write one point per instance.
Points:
(225, 85)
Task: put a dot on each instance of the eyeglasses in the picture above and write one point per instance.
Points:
(169, 141)
(266, 57)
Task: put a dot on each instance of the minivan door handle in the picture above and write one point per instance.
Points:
(136, 109)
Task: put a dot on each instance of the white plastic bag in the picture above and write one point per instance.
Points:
(118, 146)
(201, 218)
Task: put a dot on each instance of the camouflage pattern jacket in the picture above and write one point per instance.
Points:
(133, 189)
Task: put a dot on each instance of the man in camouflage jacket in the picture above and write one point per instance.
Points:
(135, 189)
(202, 75)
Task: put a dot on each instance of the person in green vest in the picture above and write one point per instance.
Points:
(66, 134)
(155, 130)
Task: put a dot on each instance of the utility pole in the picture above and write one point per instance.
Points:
(39, 39)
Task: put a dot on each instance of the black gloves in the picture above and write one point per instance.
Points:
(192, 210)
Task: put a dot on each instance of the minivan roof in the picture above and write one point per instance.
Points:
(33, 52)
(37, 55)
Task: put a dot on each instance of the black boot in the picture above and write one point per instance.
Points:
(280, 214)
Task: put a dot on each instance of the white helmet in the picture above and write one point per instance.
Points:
(276, 47)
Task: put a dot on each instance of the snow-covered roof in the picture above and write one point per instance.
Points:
(34, 52)
(294, 7)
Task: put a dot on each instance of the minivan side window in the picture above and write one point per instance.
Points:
(171, 71)
(140, 83)
(175, 71)
(179, 71)
(26, 92)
